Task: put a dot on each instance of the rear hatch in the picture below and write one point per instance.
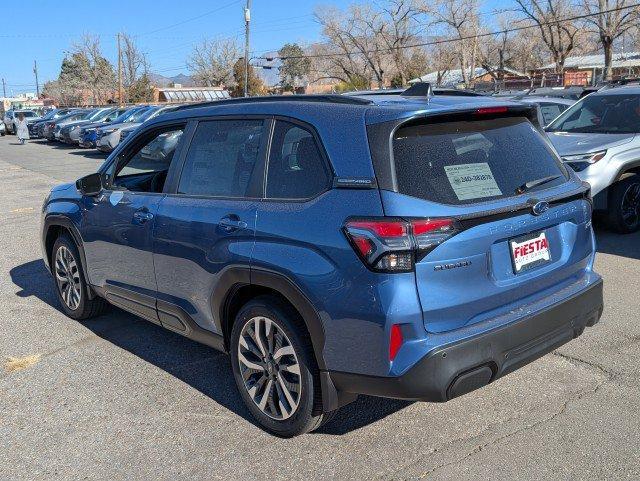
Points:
(520, 226)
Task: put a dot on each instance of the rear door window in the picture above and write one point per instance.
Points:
(296, 168)
(472, 161)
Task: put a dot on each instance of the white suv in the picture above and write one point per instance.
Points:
(599, 138)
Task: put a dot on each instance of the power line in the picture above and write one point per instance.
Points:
(232, 34)
(191, 19)
(458, 39)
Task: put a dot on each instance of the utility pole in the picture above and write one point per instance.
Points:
(35, 71)
(4, 89)
(119, 73)
(247, 20)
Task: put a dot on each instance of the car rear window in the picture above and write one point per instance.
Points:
(472, 161)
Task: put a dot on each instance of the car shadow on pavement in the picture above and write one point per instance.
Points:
(199, 366)
(93, 154)
(618, 244)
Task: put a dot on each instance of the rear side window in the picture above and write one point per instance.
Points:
(296, 167)
(550, 111)
(471, 161)
(222, 159)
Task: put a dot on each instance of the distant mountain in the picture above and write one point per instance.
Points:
(162, 81)
(270, 77)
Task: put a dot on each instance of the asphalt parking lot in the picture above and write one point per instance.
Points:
(119, 398)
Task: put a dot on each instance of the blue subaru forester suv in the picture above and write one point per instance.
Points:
(408, 246)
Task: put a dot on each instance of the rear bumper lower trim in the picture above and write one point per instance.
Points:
(460, 367)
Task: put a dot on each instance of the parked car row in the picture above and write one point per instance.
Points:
(98, 128)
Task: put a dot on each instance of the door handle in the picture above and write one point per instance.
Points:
(142, 216)
(232, 223)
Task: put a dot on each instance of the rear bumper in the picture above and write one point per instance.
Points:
(460, 367)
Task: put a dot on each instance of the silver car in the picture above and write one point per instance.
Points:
(599, 138)
(110, 136)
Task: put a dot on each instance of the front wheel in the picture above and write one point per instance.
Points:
(274, 368)
(624, 203)
(71, 286)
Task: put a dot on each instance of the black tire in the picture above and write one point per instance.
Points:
(307, 415)
(623, 215)
(86, 308)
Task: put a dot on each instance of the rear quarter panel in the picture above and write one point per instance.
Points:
(304, 242)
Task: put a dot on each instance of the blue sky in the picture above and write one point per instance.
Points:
(167, 30)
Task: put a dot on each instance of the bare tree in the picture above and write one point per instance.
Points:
(525, 50)
(212, 62)
(443, 59)
(460, 20)
(135, 70)
(330, 62)
(399, 30)
(356, 35)
(372, 41)
(558, 34)
(611, 19)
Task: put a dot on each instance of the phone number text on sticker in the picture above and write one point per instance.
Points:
(472, 181)
(530, 252)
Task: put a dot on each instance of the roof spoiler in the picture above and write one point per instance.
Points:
(419, 89)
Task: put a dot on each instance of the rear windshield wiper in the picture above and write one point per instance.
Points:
(535, 183)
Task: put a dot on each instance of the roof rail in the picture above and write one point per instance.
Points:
(452, 92)
(419, 89)
(328, 98)
(457, 92)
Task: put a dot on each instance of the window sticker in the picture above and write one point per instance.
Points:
(472, 181)
(115, 197)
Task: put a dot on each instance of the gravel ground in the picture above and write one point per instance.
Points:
(119, 398)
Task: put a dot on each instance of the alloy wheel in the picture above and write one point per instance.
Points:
(68, 278)
(631, 205)
(269, 368)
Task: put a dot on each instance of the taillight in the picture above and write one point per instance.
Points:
(393, 244)
(429, 233)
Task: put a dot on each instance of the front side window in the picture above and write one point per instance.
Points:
(296, 168)
(138, 115)
(601, 114)
(146, 169)
(222, 160)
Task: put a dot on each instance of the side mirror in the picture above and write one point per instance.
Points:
(90, 184)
